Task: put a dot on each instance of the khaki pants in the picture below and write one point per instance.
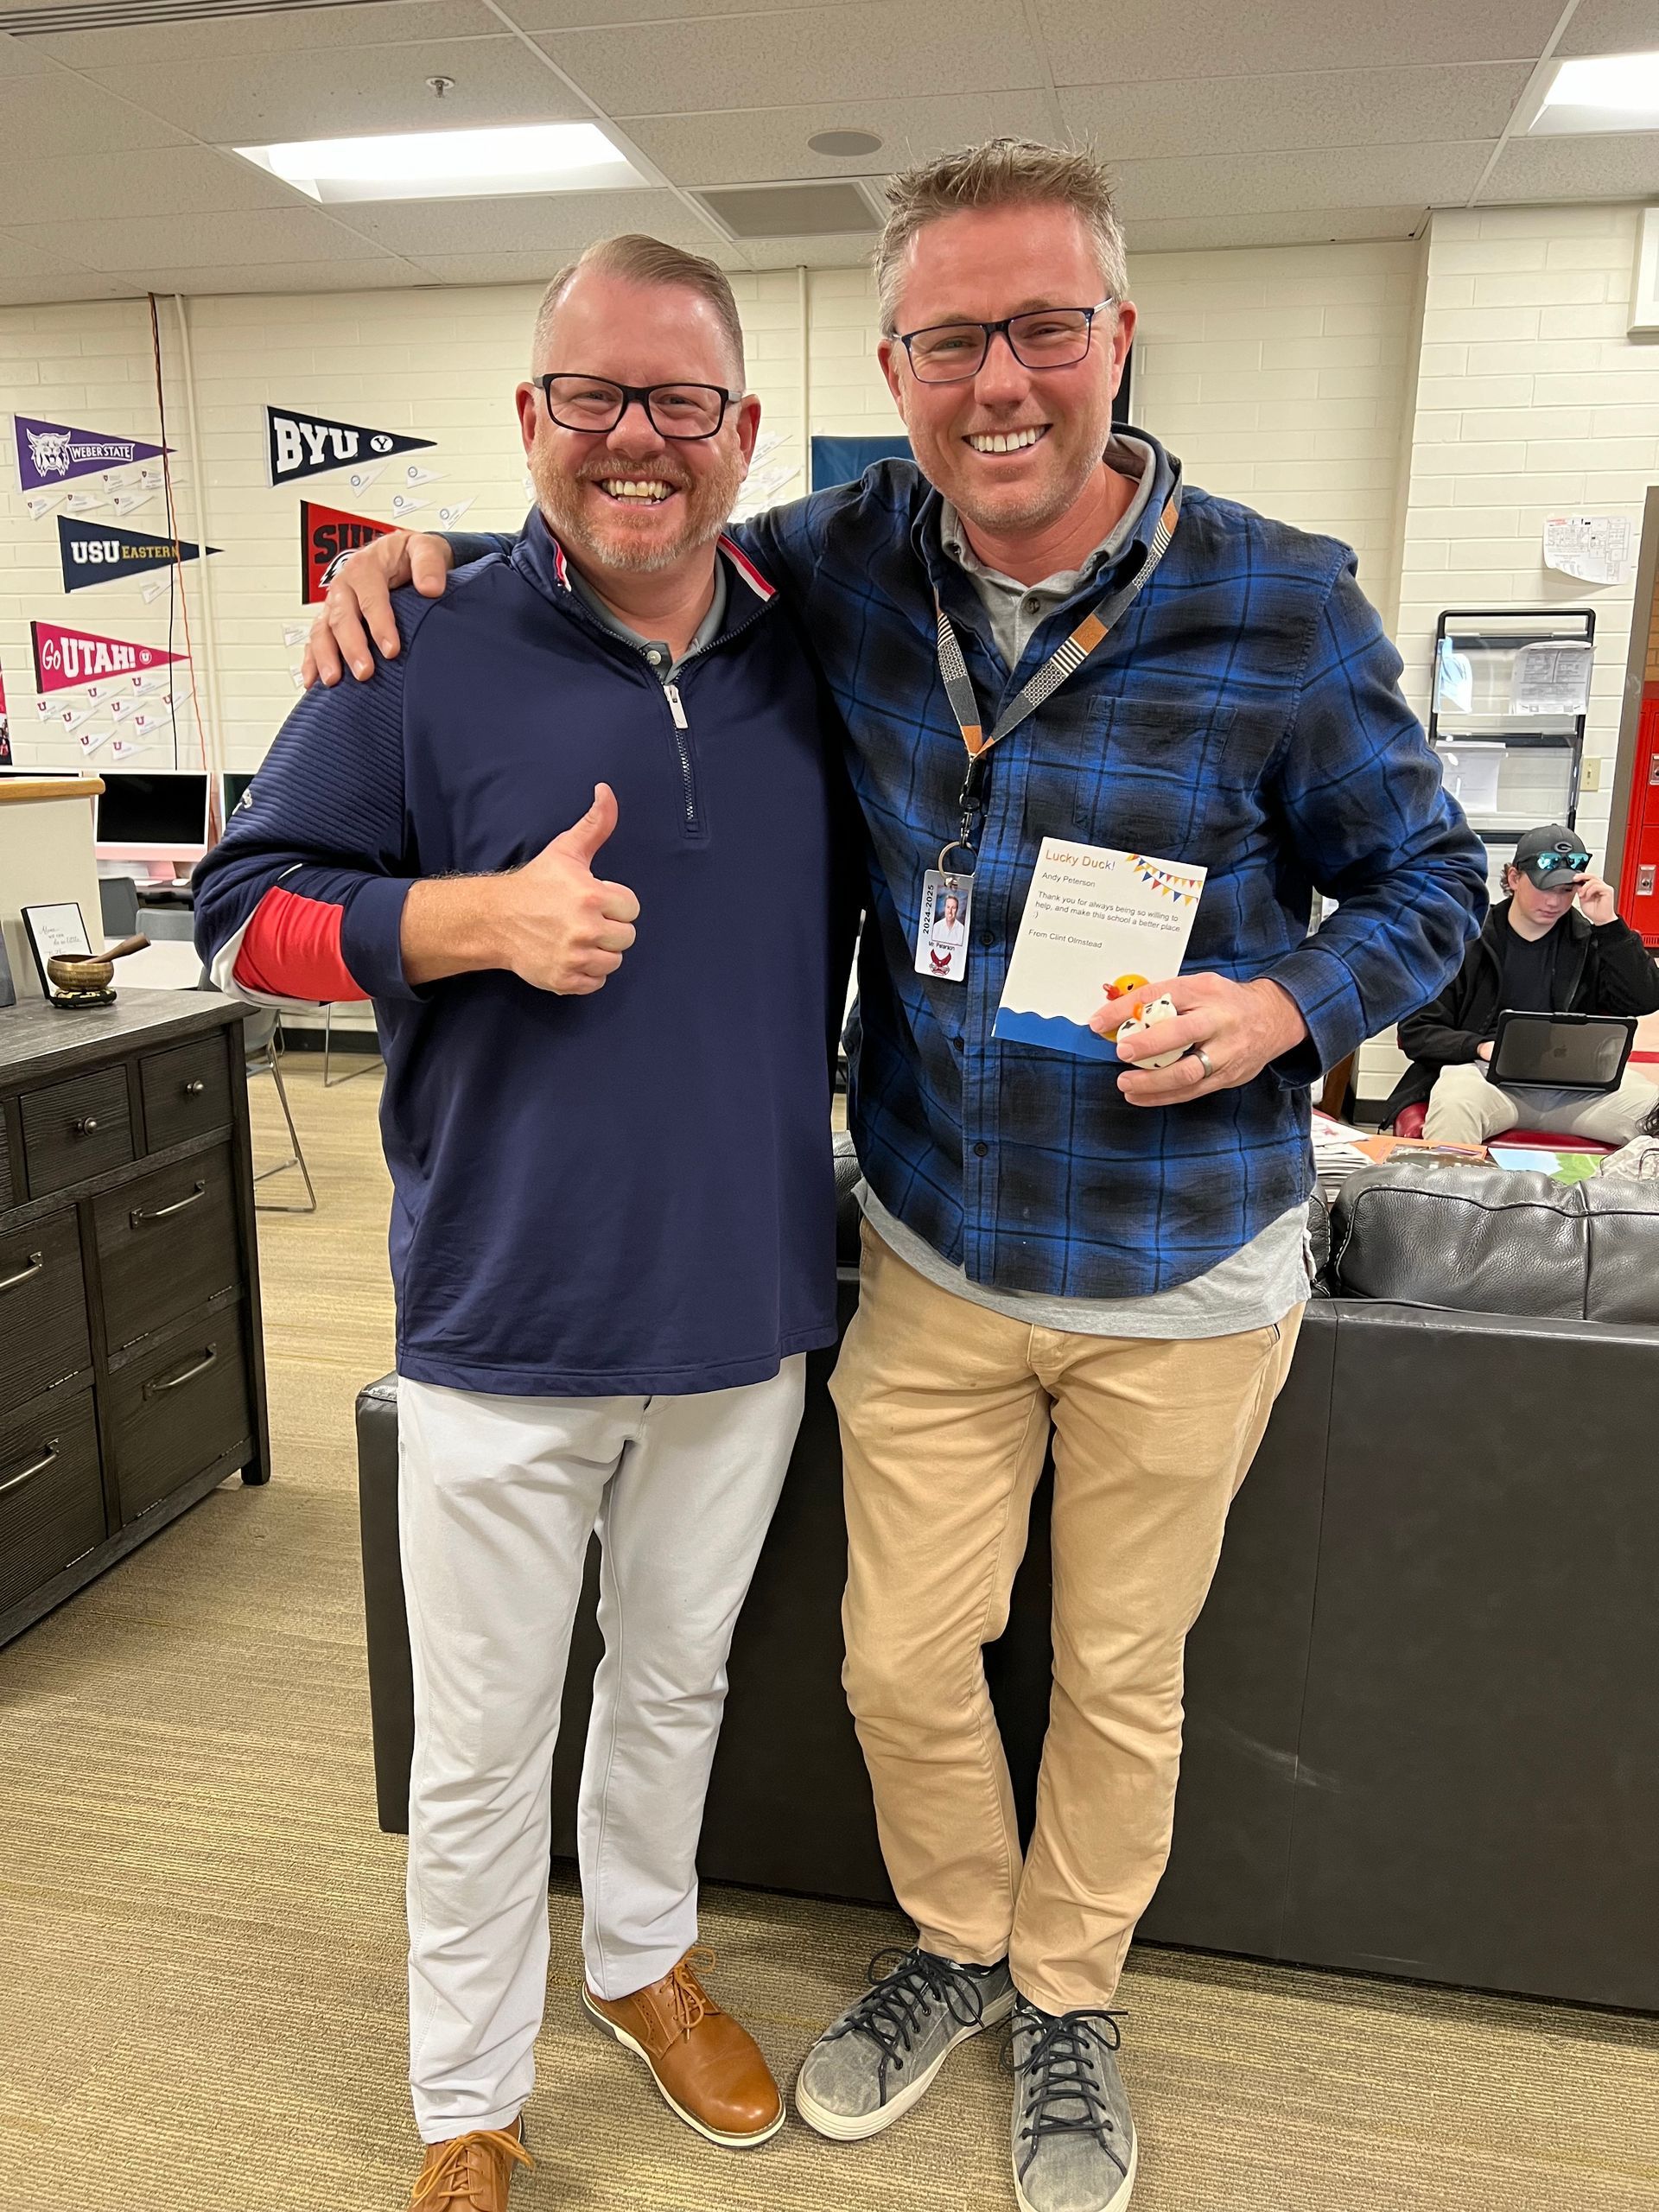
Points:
(946, 1409)
(1464, 1109)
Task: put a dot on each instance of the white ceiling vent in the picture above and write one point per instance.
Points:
(140, 15)
(791, 210)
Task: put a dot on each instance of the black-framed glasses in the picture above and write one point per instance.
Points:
(674, 410)
(1046, 338)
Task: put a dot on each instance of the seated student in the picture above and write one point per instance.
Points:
(1555, 945)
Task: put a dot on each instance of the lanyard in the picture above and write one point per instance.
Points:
(1066, 659)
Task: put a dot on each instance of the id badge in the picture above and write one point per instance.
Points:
(942, 936)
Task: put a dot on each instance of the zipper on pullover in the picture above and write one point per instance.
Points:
(682, 727)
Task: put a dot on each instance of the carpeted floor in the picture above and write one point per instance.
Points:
(200, 1954)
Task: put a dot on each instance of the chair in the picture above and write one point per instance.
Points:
(1408, 1123)
(330, 1081)
(262, 1045)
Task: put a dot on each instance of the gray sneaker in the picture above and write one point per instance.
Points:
(879, 2058)
(1074, 2146)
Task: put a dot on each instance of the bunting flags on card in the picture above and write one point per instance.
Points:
(1169, 883)
(52, 453)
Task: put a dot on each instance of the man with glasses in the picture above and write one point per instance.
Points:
(1034, 632)
(1555, 945)
(574, 843)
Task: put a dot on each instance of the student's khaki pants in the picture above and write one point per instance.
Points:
(946, 1409)
(1464, 1109)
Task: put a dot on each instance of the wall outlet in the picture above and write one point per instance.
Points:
(1590, 772)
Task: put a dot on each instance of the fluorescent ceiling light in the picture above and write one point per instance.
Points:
(451, 164)
(1602, 92)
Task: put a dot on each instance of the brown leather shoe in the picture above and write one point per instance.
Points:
(709, 2068)
(470, 2173)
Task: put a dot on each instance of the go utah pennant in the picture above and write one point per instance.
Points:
(51, 453)
(66, 659)
(309, 445)
(102, 553)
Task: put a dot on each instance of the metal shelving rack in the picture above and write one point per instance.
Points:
(1510, 740)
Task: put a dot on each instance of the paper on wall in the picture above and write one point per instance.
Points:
(1470, 774)
(1594, 548)
(1098, 925)
(1552, 679)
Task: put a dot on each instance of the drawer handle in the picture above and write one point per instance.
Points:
(36, 1261)
(16, 1481)
(158, 1384)
(194, 1088)
(140, 1217)
(85, 1128)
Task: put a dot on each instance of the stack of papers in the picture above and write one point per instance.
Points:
(1336, 1153)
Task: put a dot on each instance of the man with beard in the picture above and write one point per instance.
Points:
(607, 1116)
(1036, 631)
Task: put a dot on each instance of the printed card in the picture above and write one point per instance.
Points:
(1098, 926)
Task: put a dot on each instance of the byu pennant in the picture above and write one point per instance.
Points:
(327, 536)
(51, 453)
(66, 659)
(101, 553)
(308, 445)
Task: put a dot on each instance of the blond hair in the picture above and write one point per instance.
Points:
(640, 260)
(1001, 173)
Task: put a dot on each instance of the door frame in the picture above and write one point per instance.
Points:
(1642, 616)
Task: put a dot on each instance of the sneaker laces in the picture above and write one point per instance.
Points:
(1068, 2093)
(450, 2170)
(897, 2003)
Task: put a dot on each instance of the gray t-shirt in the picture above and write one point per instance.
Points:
(1253, 1287)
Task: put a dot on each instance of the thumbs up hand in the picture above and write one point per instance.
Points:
(569, 927)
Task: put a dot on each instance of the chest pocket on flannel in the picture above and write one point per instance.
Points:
(1179, 778)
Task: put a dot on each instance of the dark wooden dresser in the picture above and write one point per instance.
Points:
(131, 1363)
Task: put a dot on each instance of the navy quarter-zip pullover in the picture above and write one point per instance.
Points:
(625, 1193)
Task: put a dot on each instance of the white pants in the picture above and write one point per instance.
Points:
(1464, 1109)
(497, 1499)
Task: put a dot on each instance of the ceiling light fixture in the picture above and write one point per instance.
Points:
(451, 164)
(1601, 92)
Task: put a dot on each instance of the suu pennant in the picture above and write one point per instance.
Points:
(309, 445)
(51, 453)
(102, 553)
(327, 536)
(66, 659)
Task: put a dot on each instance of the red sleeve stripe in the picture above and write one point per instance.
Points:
(291, 951)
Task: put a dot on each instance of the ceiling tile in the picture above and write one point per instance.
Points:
(1612, 27)
(39, 291)
(764, 143)
(306, 32)
(40, 117)
(1347, 107)
(1089, 44)
(1252, 184)
(1195, 233)
(198, 241)
(588, 15)
(21, 57)
(322, 94)
(491, 268)
(1615, 165)
(163, 181)
(548, 223)
(18, 261)
(868, 49)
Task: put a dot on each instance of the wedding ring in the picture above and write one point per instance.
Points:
(1205, 1063)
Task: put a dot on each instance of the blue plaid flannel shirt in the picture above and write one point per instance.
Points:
(1244, 715)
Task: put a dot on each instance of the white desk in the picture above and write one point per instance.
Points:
(172, 965)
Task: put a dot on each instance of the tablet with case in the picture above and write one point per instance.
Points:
(1560, 1051)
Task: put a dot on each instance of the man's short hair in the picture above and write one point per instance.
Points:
(1001, 172)
(640, 260)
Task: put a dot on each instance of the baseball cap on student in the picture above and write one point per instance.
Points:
(1551, 857)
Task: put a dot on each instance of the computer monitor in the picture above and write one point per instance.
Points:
(157, 816)
(231, 784)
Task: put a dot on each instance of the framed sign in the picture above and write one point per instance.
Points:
(56, 933)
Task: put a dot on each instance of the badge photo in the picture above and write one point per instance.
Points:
(942, 935)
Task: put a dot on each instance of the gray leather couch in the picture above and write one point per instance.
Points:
(1422, 1736)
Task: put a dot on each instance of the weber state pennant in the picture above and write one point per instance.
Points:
(52, 453)
(102, 553)
(309, 445)
(327, 536)
(66, 659)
